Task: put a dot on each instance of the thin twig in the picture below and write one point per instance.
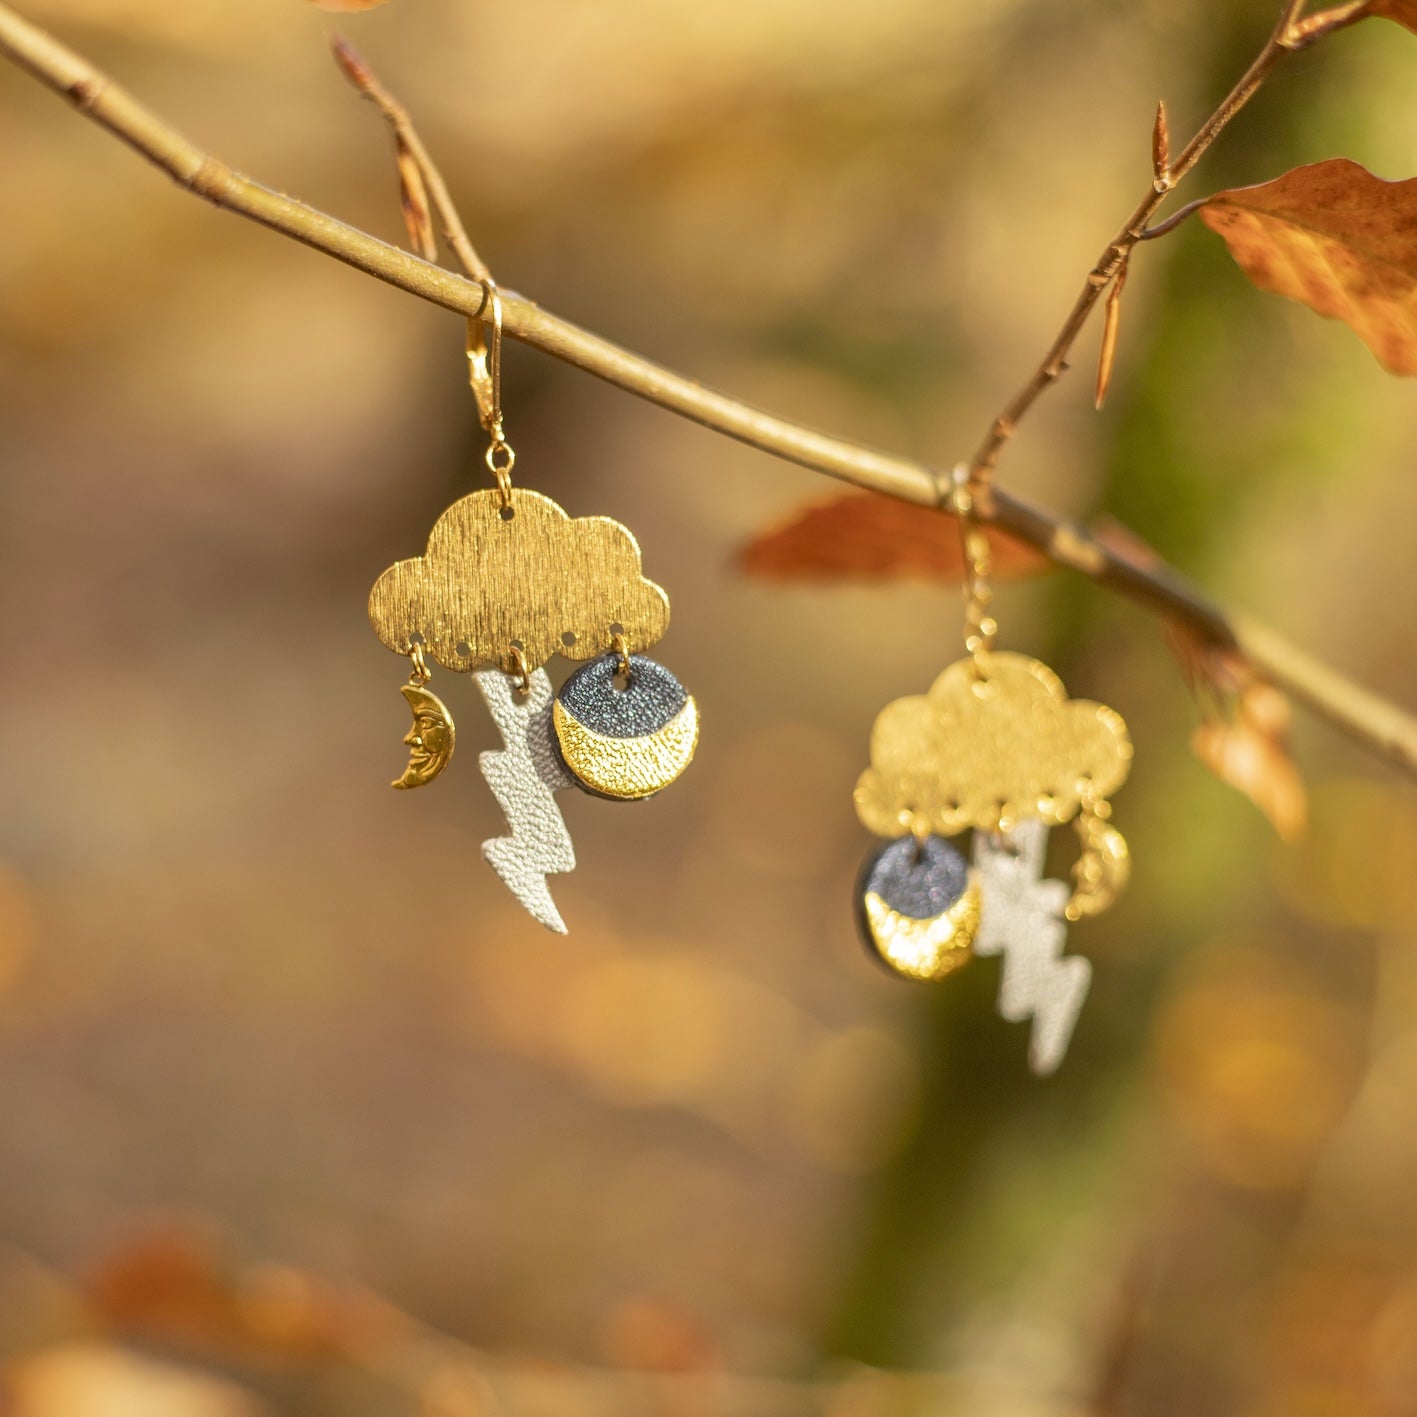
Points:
(1319, 25)
(1173, 221)
(354, 68)
(1054, 363)
(1366, 718)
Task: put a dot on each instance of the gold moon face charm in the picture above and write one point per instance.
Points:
(919, 909)
(1103, 869)
(431, 739)
(625, 744)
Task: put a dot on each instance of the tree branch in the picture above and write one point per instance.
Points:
(406, 136)
(1162, 228)
(1114, 259)
(1367, 719)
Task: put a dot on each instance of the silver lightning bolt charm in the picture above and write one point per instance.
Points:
(524, 778)
(1022, 919)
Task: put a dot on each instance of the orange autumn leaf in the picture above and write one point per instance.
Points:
(1309, 28)
(1337, 239)
(346, 6)
(172, 1282)
(1245, 756)
(1403, 11)
(871, 538)
(1244, 739)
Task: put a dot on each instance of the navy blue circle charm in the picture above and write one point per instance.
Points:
(625, 740)
(918, 908)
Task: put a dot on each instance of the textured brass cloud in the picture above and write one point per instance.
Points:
(973, 753)
(540, 580)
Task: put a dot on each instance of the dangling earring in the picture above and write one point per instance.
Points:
(996, 747)
(509, 580)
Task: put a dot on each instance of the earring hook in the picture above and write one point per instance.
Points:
(484, 370)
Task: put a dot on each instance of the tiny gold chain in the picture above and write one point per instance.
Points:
(980, 626)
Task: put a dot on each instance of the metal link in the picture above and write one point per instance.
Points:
(980, 627)
(619, 645)
(521, 671)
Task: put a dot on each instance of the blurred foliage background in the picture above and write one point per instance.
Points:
(301, 1114)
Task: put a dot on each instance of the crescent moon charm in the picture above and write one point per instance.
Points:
(919, 909)
(625, 744)
(431, 739)
(1103, 869)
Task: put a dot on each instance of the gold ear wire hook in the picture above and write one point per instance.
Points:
(479, 356)
(980, 627)
(484, 371)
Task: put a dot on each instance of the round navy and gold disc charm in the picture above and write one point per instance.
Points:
(919, 910)
(625, 743)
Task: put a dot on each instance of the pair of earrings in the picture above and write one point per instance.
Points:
(508, 581)
(996, 747)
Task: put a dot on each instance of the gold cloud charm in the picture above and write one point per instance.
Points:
(512, 584)
(995, 742)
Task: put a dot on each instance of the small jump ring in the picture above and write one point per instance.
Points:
(618, 645)
(521, 670)
(421, 673)
(501, 460)
(961, 491)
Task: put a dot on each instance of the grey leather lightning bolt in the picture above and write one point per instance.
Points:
(525, 777)
(1022, 919)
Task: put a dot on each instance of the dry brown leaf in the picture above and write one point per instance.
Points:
(869, 537)
(1246, 758)
(1244, 740)
(171, 1281)
(1338, 239)
(1403, 11)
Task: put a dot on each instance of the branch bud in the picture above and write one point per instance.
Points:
(1161, 148)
